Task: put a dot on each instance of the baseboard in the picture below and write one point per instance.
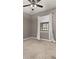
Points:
(27, 38)
(36, 38)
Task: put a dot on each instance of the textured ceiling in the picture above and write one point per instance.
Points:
(47, 5)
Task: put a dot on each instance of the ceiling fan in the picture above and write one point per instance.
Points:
(33, 3)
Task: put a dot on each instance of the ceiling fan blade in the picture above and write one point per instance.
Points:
(39, 5)
(33, 0)
(30, 1)
(38, 1)
(26, 5)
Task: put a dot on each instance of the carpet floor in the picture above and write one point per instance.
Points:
(38, 49)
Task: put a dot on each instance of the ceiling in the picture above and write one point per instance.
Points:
(47, 5)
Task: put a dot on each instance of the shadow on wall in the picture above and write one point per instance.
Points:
(27, 25)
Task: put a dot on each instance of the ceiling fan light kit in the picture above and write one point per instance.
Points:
(33, 4)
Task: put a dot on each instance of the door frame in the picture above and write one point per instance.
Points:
(51, 36)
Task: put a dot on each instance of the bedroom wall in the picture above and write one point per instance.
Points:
(34, 23)
(27, 25)
(54, 23)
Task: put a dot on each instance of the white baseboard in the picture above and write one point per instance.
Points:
(27, 38)
(36, 38)
(43, 39)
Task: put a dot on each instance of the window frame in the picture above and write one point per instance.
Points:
(44, 26)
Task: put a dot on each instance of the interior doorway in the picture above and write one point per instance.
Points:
(44, 29)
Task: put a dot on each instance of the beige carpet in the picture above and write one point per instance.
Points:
(38, 49)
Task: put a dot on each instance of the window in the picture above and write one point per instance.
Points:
(44, 26)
